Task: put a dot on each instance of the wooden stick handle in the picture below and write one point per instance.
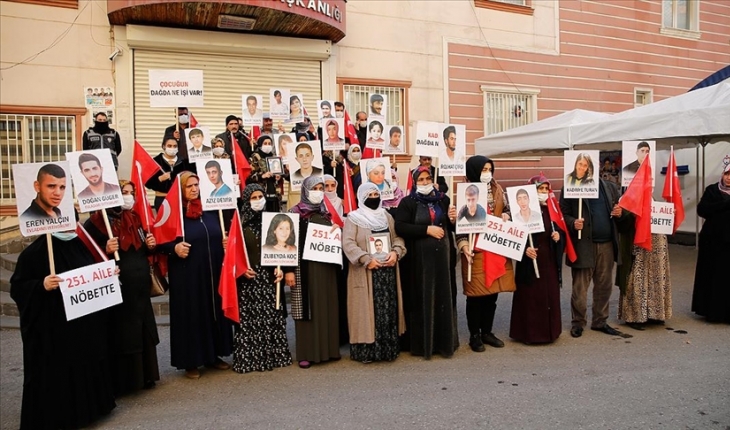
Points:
(278, 290)
(580, 214)
(223, 227)
(470, 247)
(109, 231)
(534, 262)
(177, 122)
(51, 260)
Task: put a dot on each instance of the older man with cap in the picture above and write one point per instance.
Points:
(233, 132)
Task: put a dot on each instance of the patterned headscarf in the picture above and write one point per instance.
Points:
(539, 180)
(722, 186)
(305, 208)
(332, 195)
(248, 215)
(398, 194)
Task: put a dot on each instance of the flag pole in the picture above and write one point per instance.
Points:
(278, 290)
(109, 230)
(580, 214)
(143, 193)
(51, 260)
(177, 122)
(223, 227)
(470, 246)
(534, 261)
(182, 214)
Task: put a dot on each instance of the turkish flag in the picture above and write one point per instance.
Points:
(169, 223)
(672, 193)
(349, 203)
(492, 264)
(556, 216)
(235, 264)
(143, 168)
(90, 244)
(243, 168)
(193, 121)
(350, 131)
(336, 219)
(637, 200)
(146, 166)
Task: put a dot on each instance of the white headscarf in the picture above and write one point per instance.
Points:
(365, 217)
(332, 195)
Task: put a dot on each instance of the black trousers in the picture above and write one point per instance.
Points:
(480, 313)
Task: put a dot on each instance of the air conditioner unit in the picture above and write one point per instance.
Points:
(230, 22)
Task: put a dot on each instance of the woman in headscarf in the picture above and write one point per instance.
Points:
(199, 333)
(376, 174)
(536, 303)
(330, 193)
(260, 173)
(482, 291)
(354, 155)
(171, 165)
(219, 149)
(260, 341)
(425, 220)
(398, 194)
(375, 302)
(711, 295)
(134, 330)
(314, 286)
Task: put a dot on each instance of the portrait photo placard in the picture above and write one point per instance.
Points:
(279, 103)
(217, 184)
(471, 204)
(503, 238)
(379, 246)
(333, 133)
(581, 174)
(282, 145)
(633, 152)
(304, 160)
(375, 139)
(452, 151)
(43, 197)
(427, 138)
(275, 165)
(396, 140)
(173, 88)
(662, 218)
(252, 107)
(325, 111)
(279, 246)
(377, 171)
(198, 141)
(525, 207)
(296, 108)
(322, 244)
(378, 106)
(95, 181)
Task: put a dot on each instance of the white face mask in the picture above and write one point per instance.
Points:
(424, 189)
(128, 202)
(266, 149)
(171, 152)
(258, 205)
(183, 119)
(486, 177)
(356, 156)
(363, 124)
(64, 235)
(339, 114)
(315, 197)
(218, 151)
(542, 197)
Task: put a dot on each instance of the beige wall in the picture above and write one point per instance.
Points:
(57, 76)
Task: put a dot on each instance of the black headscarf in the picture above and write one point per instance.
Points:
(474, 166)
(260, 143)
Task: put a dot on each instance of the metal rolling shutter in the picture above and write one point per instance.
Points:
(225, 79)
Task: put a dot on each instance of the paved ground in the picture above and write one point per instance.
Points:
(662, 378)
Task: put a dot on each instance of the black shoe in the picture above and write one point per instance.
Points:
(475, 343)
(611, 331)
(491, 340)
(576, 331)
(636, 326)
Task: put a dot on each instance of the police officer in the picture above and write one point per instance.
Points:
(102, 136)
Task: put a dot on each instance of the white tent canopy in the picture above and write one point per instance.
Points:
(538, 138)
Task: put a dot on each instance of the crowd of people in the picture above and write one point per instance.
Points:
(401, 298)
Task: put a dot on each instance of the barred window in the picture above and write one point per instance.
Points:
(504, 110)
(356, 99)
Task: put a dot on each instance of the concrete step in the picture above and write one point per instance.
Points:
(5, 275)
(9, 261)
(7, 305)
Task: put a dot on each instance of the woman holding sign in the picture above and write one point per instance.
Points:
(314, 307)
(260, 342)
(375, 301)
(536, 303)
(482, 291)
(261, 175)
(171, 166)
(134, 330)
(425, 220)
(199, 333)
(66, 380)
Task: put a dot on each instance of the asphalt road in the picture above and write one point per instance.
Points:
(661, 378)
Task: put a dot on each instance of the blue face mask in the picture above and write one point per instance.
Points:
(64, 235)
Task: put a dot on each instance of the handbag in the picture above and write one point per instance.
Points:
(158, 282)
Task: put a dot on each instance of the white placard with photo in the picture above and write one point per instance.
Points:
(279, 246)
(471, 204)
(662, 218)
(325, 111)
(377, 171)
(378, 106)
(95, 181)
(43, 197)
(375, 138)
(452, 151)
(90, 289)
(379, 246)
(173, 88)
(279, 103)
(99, 99)
(333, 133)
(198, 141)
(427, 138)
(396, 138)
(217, 184)
(296, 108)
(304, 160)
(322, 244)
(525, 207)
(282, 145)
(581, 174)
(633, 153)
(503, 237)
(252, 108)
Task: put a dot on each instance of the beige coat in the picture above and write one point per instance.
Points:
(360, 309)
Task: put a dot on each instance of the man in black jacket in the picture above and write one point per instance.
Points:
(102, 136)
(232, 129)
(177, 132)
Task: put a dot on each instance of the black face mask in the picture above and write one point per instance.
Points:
(101, 127)
(372, 202)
